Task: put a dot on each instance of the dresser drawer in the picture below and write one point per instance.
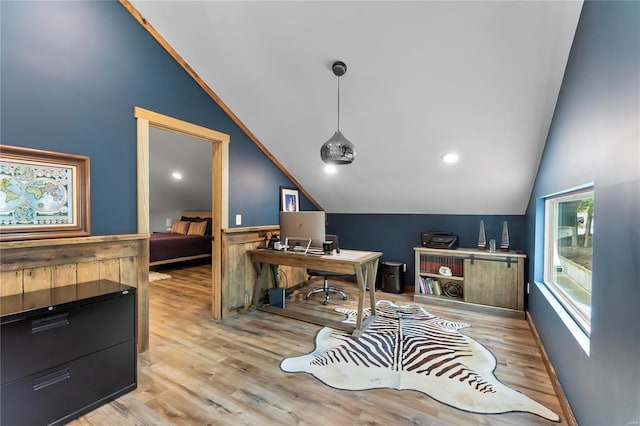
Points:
(36, 343)
(69, 390)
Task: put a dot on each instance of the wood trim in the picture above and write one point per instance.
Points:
(557, 387)
(69, 241)
(251, 229)
(248, 237)
(220, 219)
(179, 259)
(220, 185)
(170, 123)
(142, 126)
(220, 213)
(174, 54)
(49, 256)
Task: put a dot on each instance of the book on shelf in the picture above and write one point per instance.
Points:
(423, 286)
(429, 286)
(430, 264)
(438, 287)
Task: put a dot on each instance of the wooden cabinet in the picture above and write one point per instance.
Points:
(479, 280)
(66, 351)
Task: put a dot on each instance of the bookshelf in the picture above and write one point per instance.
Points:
(479, 280)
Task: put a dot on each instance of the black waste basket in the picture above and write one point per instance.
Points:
(391, 274)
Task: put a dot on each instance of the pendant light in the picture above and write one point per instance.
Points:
(338, 149)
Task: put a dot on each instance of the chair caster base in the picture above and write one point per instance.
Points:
(326, 290)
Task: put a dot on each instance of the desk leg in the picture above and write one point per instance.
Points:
(362, 287)
(260, 269)
(372, 272)
(366, 275)
(276, 277)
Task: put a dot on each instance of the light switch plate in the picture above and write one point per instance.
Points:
(238, 219)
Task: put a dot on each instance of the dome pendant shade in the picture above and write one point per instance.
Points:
(337, 150)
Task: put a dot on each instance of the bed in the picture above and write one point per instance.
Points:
(181, 245)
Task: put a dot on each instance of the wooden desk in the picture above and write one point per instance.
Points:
(364, 264)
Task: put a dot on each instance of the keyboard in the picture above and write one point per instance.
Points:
(304, 250)
(316, 252)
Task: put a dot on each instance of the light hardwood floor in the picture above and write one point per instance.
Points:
(203, 372)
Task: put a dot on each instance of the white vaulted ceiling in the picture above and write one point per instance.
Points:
(480, 78)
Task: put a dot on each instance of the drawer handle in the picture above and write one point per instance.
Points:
(51, 379)
(48, 323)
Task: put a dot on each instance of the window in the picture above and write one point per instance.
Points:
(568, 252)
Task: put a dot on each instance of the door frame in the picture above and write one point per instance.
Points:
(219, 186)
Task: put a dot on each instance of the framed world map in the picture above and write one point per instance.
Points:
(43, 194)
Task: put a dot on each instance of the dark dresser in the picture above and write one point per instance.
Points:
(65, 351)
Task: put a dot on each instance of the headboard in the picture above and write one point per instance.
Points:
(191, 213)
(199, 214)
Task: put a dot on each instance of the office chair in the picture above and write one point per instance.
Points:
(326, 289)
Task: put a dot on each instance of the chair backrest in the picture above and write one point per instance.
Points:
(336, 246)
(334, 238)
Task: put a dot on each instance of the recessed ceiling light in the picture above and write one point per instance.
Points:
(330, 169)
(450, 158)
(176, 175)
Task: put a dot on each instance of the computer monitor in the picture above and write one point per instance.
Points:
(301, 226)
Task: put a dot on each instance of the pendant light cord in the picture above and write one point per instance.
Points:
(338, 103)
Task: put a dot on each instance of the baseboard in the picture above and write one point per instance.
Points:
(449, 302)
(557, 387)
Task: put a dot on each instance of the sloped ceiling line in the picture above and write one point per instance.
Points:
(176, 56)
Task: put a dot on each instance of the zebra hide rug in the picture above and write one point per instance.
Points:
(408, 348)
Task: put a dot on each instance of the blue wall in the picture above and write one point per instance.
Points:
(72, 73)
(397, 234)
(595, 137)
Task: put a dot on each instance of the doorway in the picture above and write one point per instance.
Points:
(219, 186)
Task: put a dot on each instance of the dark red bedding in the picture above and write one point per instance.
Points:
(165, 246)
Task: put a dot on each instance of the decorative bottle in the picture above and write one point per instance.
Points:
(504, 244)
(482, 240)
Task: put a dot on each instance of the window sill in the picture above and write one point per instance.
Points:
(575, 330)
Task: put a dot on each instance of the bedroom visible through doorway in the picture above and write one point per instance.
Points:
(180, 177)
(219, 142)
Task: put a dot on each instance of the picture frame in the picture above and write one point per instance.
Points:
(289, 199)
(43, 194)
